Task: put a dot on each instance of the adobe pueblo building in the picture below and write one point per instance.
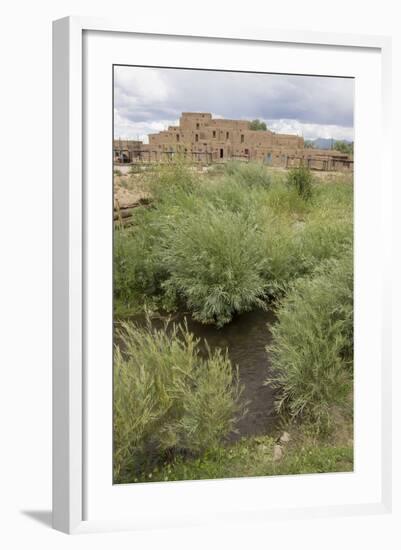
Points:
(203, 139)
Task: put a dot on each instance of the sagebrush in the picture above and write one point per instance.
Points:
(301, 179)
(312, 351)
(168, 397)
(219, 246)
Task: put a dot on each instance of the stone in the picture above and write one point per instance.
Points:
(277, 452)
(285, 437)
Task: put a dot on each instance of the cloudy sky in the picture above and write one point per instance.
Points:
(148, 100)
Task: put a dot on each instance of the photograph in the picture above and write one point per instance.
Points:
(233, 279)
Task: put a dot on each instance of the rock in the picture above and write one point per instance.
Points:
(285, 437)
(277, 452)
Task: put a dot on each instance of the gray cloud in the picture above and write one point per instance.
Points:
(146, 98)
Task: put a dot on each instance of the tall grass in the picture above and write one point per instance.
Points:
(311, 353)
(167, 397)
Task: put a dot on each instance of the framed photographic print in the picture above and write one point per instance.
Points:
(220, 228)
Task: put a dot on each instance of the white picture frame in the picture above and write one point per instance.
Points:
(71, 226)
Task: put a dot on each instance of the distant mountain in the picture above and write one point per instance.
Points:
(323, 143)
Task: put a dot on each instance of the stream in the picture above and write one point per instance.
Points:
(245, 338)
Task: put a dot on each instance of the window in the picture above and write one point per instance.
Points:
(221, 153)
(178, 137)
(227, 135)
(197, 125)
(242, 138)
(196, 137)
(214, 133)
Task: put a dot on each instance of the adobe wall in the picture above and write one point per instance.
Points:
(202, 138)
(126, 150)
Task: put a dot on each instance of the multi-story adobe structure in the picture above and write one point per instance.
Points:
(202, 138)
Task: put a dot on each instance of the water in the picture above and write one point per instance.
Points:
(245, 338)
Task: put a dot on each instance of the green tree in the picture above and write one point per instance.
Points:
(257, 125)
(344, 147)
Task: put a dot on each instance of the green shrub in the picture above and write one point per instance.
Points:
(344, 147)
(257, 125)
(232, 167)
(230, 194)
(117, 172)
(215, 259)
(301, 179)
(283, 255)
(311, 353)
(248, 173)
(167, 397)
(323, 239)
(334, 197)
(286, 202)
(173, 180)
(138, 272)
(295, 249)
(218, 247)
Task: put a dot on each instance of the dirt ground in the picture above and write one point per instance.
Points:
(129, 189)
